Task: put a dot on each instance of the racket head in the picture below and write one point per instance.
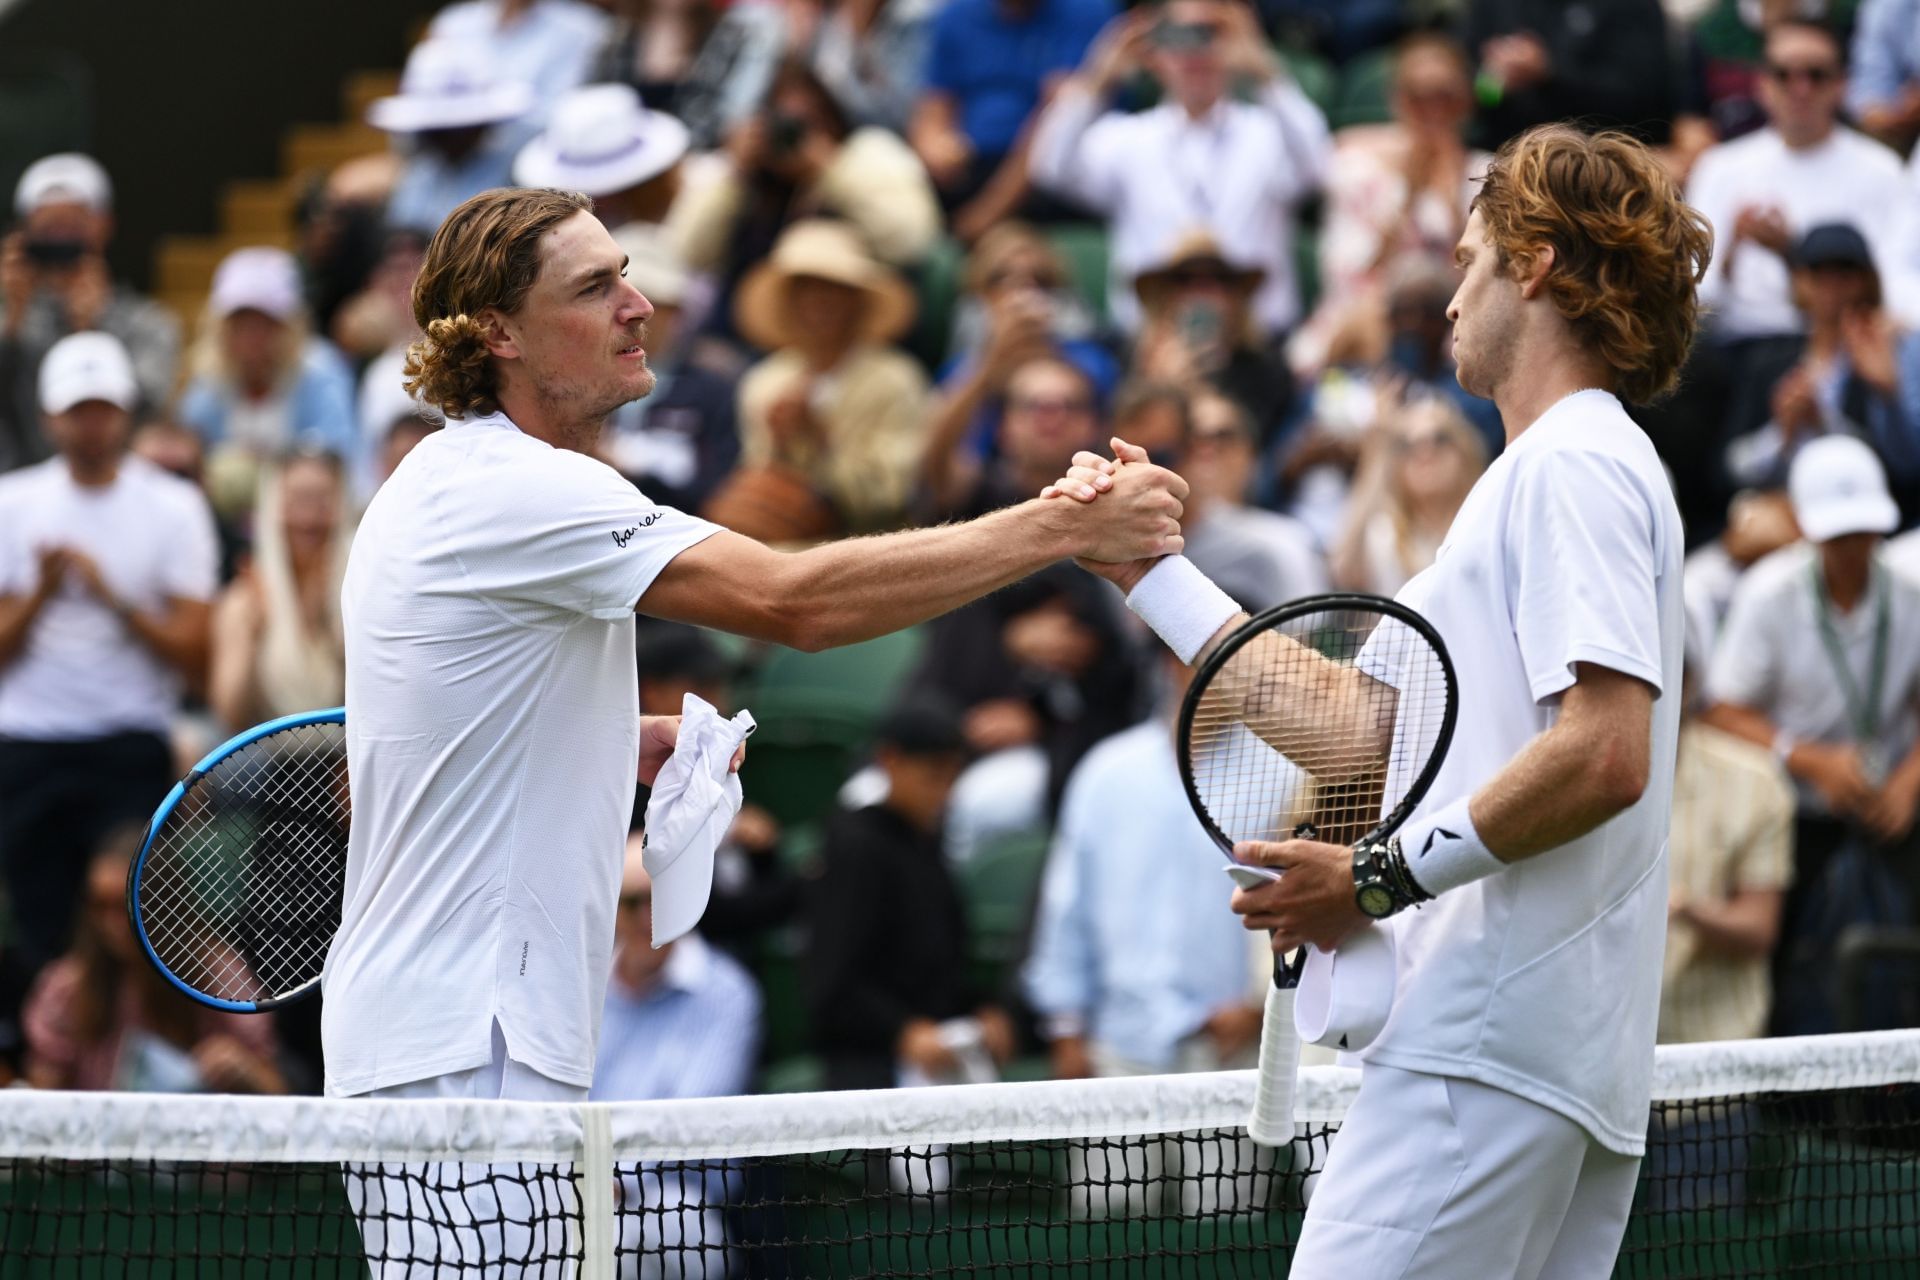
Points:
(1255, 773)
(235, 894)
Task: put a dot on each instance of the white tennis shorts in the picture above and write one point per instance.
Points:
(1449, 1179)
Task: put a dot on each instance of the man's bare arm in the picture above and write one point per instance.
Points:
(853, 590)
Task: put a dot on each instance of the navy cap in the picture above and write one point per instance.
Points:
(1833, 244)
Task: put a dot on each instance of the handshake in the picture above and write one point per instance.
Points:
(1121, 514)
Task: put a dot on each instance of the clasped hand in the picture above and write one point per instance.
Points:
(1311, 903)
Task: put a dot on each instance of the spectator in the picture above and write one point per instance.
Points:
(1042, 670)
(1418, 343)
(1762, 192)
(1050, 410)
(831, 422)
(101, 1017)
(798, 158)
(989, 64)
(871, 54)
(602, 142)
(679, 443)
(391, 421)
(107, 568)
(753, 892)
(1546, 60)
(1729, 856)
(1198, 160)
(887, 983)
(452, 111)
(1855, 376)
(1902, 554)
(546, 45)
(1135, 967)
(1759, 523)
(1820, 662)
(262, 383)
(278, 646)
(53, 282)
(1394, 190)
(681, 1021)
(652, 46)
(1415, 471)
(1198, 330)
(171, 447)
(376, 323)
(1884, 95)
(1260, 558)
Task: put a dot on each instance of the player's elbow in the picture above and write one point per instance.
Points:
(1617, 777)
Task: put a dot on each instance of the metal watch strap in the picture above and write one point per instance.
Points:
(1382, 863)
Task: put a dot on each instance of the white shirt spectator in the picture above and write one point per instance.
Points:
(1568, 550)
(692, 1034)
(493, 738)
(1135, 946)
(1238, 173)
(1902, 555)
(1847, 178)
(1710, 575)
(82, 673)
(1771, 656)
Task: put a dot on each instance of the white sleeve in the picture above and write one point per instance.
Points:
(17, 567)
(1079, 152)
(580, 538)
(1744, 668)
(1581, 578)
(192, 572)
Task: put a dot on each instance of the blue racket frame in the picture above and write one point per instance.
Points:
(331, 715)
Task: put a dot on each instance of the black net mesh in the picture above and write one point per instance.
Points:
(1815, 1184)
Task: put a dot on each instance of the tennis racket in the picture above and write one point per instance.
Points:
(1325, 718)
(235, 895)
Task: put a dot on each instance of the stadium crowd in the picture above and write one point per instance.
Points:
(906, 257)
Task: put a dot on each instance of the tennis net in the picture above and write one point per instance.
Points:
(1766, 1158)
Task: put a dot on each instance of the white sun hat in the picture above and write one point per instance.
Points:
(599, 140)
(1837, 486)
(450, 84)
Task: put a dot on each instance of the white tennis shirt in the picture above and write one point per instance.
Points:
(493, 739)
(1544, 979)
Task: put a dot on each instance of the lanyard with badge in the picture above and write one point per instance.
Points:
(1863, 714)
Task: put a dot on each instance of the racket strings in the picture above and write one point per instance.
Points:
(240, 894)
(1326, 719)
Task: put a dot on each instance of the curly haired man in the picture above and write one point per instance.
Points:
(1502, 1111)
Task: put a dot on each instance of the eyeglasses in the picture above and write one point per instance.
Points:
(1816, 76)
(1426, 441)
(1180, 277)
(1050, 404)
(998, 280)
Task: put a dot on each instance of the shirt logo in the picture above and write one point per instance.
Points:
(621, 537)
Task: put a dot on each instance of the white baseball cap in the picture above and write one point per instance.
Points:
(1345, 995)
(87, 366)
(68, 176)
(601, 139)
(257, 279)
(1837, 487)
(450, 84)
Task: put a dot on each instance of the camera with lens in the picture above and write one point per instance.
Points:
(54, 255)
(785, 133)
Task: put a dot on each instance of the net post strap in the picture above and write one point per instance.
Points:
(594, 1176)
(109, 1126)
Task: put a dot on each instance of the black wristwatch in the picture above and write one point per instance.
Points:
(1382, 885)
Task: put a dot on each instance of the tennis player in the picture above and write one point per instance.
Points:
(1503, 1109)
(493, 727)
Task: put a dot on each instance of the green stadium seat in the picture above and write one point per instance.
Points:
(1365, 86)
(1000, 884)
(938, 285)
(1083, 247)
(1313, 73)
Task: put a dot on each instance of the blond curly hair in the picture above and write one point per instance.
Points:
(485, 255)
(1628, 250)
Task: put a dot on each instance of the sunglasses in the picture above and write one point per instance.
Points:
(1426, 441)
(1817, 76)
(1185, 37)
(635, 901)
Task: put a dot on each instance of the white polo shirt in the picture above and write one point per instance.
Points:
(492, 740)
(1771, 658)
(83, 674)
(1544, 979)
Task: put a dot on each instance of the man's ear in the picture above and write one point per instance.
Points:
(1533, 277)
(498, 335)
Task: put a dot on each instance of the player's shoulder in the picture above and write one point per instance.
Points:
(1589, 434)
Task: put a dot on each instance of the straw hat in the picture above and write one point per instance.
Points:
(1195, 248)
(826, 251)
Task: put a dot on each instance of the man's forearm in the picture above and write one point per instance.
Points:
(16, 620)
(1561, 786)
(177, 637)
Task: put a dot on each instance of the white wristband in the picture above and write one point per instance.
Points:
(1444, 851)
(1182, 605)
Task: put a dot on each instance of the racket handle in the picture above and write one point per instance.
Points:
(1272, 1123)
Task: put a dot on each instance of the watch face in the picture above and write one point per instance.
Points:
(1374, 900)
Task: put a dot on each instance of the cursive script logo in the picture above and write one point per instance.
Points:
(621, 537)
